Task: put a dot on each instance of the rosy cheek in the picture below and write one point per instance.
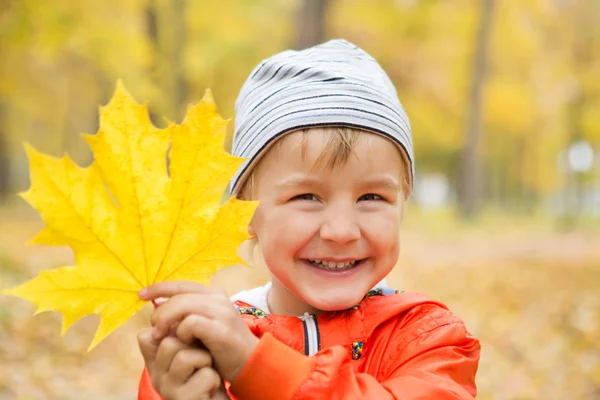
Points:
(383, 232)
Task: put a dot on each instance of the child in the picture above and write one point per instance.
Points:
(330, 158)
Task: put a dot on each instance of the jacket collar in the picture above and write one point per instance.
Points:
(353, 325)
(257, 297)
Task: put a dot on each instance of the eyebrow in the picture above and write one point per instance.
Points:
(383, 182)
(296, 181)
(300, 181)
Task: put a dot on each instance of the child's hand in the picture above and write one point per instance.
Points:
(197, 312)
(179, 371)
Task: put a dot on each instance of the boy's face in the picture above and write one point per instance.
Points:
(328, 235)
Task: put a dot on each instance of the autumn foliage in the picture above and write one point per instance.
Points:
(525, 286)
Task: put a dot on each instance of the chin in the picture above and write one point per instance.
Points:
(335, 303)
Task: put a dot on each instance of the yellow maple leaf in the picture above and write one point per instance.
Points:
(130, 221)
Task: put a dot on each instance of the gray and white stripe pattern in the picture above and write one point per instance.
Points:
(332, 84)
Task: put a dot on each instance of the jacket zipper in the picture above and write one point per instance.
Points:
(312, 337)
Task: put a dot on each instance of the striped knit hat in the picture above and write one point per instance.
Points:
(332, 84)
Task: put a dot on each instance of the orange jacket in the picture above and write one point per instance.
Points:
(398, 346)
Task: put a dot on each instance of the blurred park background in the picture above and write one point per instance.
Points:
(504, 225)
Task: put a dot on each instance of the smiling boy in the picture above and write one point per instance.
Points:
(330, 158)
(328, 227)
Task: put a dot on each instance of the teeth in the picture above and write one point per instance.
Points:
(332, 266)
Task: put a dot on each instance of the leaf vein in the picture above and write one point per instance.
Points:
(83, 221)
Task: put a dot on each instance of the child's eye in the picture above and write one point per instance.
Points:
(305, 196)
(370, 197)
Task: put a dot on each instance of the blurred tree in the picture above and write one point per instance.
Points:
(4, 164)
(152, 32)
(166, 29)
(585, 17)
(469, 188)
(310, 28)
(178, 40)
(4, 151)
(520, 123)
(61, 59)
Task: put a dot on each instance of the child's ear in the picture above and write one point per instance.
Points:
(246, 251)
(251, 227)
(251, 230)
(403, 208)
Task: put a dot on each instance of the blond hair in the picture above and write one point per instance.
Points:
(338, 149)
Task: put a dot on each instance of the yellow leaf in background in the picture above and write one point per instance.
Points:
(131, 220)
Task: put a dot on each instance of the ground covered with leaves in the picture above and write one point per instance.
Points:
(531, 295)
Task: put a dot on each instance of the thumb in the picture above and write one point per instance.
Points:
(148, 347)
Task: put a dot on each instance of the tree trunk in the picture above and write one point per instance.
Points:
(153, 69)
(310, 29)
(4, 152)
(166, 29)
(179, 35)
(152, 23)
(469, 190)
(584, 18)
(4, 161)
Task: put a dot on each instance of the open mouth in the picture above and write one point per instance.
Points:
(334, 266)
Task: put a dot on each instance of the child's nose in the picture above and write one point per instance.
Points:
(340, 226)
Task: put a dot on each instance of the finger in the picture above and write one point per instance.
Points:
(168, 315)
(198, 327)
(186, 362)
(167, 350)
(148, 348)
(156, 334)
(220, 394)
(202, 385)
(172, 288)
(231, 350)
